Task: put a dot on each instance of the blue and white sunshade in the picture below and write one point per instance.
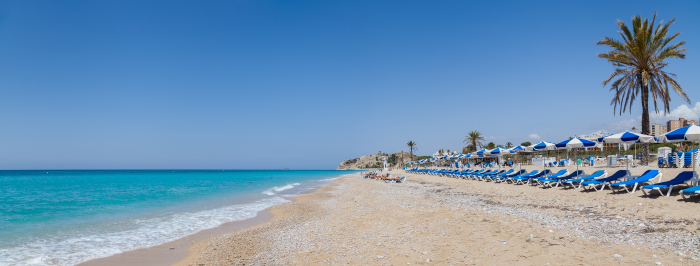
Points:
(498, 151)
(482, 152)
(518, 148)
(689, 133)
(543, 145)
(575, 143)
(627, 137)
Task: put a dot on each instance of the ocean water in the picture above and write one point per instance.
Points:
(67, 217)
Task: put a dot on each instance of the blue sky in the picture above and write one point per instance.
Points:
(306, 84)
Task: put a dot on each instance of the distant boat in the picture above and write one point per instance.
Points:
(286, 168)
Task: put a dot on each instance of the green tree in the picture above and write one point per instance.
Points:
(509, 145)
(470, 148)
(412, 147)
(491, 146)
(474, 138)
(639, 68)
(525, 144)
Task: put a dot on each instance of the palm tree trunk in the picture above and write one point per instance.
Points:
(645, 123)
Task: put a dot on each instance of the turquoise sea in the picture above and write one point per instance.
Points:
(66, 217)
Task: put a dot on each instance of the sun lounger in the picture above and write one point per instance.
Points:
(465, 176)
(475, 176)
(544, 176)
(520, 178)
(604, 181)
(679, 180)
(580, 180)
(504, 177)
(490, 177)
(692, 190)
(555, 180)
(494, 172)
(634, 183)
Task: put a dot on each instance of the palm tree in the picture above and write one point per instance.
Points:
(639, 62)
(499, 146)
(525, 144)
(474, 138)
(412, 147)
(509, 145)
(466, 150)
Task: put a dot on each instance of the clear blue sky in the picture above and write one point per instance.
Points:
(304, 84)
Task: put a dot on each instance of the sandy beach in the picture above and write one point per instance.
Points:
(441, 220)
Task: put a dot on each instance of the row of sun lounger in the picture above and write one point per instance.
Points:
(598, 180)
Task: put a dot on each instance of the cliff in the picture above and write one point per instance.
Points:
(374, 161)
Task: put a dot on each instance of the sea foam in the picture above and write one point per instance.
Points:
(274, 190)
(149, 232)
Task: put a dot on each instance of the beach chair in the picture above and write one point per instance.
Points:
(520, 178)
(539, 178)
(555, 180)
(679, 180)
(692, 190)
(526, 179)
(484, 171)
(504, 177)
(647, 176)
(475, 177)
(580, 180)
(465, 176)
(490, 177)
(604, 181)
(678, 159)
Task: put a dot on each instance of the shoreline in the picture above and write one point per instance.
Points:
(176, 251)
(432, 219)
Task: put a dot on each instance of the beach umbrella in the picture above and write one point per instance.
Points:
(544, 146)
(498, 152)
(482, 152)
(689, 133)
(575, 143)
(518, 148)
(627, 138)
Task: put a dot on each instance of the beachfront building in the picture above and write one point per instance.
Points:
(658, 130)
(676, 124)
(673, 124)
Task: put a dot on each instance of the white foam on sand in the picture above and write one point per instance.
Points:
(274, 190)
(62, 250)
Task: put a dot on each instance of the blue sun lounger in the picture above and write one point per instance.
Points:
(485, 176)
(692, 190)
(551, 181)
(679, 180)
(473, 176)
(544, 176)
(490, 177)
(604, 181)
(502, 178)
(646, 177)
(518, 178)
(526, 180)
(465, 175)
(580, 180)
